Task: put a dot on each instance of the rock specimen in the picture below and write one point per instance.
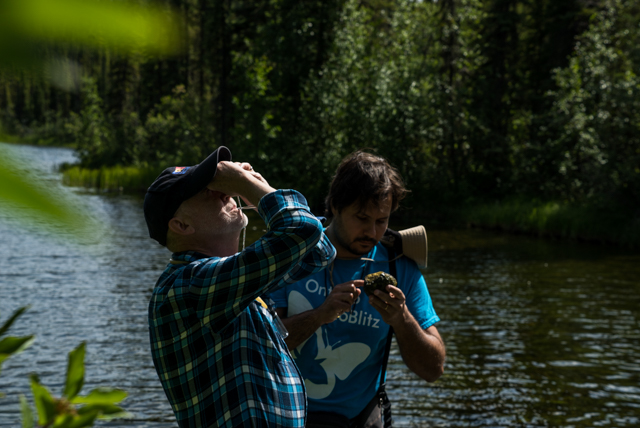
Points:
(378, 280)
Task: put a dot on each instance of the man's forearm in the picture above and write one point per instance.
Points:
(320, 256)
(423, 351)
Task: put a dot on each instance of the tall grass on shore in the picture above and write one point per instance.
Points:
(596, 222)
(116, 178)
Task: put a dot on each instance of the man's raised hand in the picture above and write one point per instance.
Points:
(239, 179)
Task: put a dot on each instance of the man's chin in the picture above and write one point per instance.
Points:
(360, 248)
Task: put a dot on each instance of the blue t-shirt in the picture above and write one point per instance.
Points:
(341, 362)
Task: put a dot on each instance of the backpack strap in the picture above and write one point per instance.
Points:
(396, 244)
(385, 360)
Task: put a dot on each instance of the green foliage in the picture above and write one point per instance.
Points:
(83, 177)
(75, 373)
(594, 221)
(268, 125)
(26, 24)
(11, 345)
(471, 100)
(31, 199)
(34, 35)
(597, 108)
(26, 412)
(383, 87)
(91, 130)
(171, 133)
(45, 404)
(72, 410)
(116, 178)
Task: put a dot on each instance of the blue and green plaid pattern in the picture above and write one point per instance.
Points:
(220, 360)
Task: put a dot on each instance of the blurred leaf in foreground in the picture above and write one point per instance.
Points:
(28, 25)
(27, 199)
(75, 373)
(12, 345)
(26, 412)
(72, 410)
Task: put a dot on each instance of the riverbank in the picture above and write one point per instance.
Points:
(34, 139)
(597, 222)
(110, 179)
(607, 223)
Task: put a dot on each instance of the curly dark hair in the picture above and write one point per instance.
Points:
(363, 177)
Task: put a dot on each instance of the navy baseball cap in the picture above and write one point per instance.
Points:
(175, 185)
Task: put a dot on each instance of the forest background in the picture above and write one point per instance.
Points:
(522, 115)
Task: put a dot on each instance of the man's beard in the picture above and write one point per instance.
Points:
(351, 246)
(241, 224)
(354, 250)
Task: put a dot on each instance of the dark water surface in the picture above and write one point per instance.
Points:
(539, 333)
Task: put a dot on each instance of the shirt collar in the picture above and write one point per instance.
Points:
(184, 257)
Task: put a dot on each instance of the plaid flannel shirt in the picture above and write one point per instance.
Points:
(220, 360)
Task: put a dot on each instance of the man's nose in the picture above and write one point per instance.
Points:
(370, 230)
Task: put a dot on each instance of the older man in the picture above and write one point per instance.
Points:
(216, 345)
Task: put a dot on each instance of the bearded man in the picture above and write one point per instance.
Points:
(339, 337)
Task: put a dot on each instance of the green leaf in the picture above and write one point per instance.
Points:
(101, 396)
(45, 404)
(122, 26)
(27, 413)
(105, 411)
(119, 415)
(104, 408)
(75, 372)
(12, 345)
(5, 327)
(36, 198)
(82, 421)
(62, 421)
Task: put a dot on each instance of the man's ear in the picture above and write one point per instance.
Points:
(179, 227)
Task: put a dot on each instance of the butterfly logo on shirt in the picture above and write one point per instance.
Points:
(338, 361)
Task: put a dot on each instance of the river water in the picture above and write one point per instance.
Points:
(539, 333)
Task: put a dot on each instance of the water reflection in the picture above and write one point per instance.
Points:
(538, 333)
(95, 290)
